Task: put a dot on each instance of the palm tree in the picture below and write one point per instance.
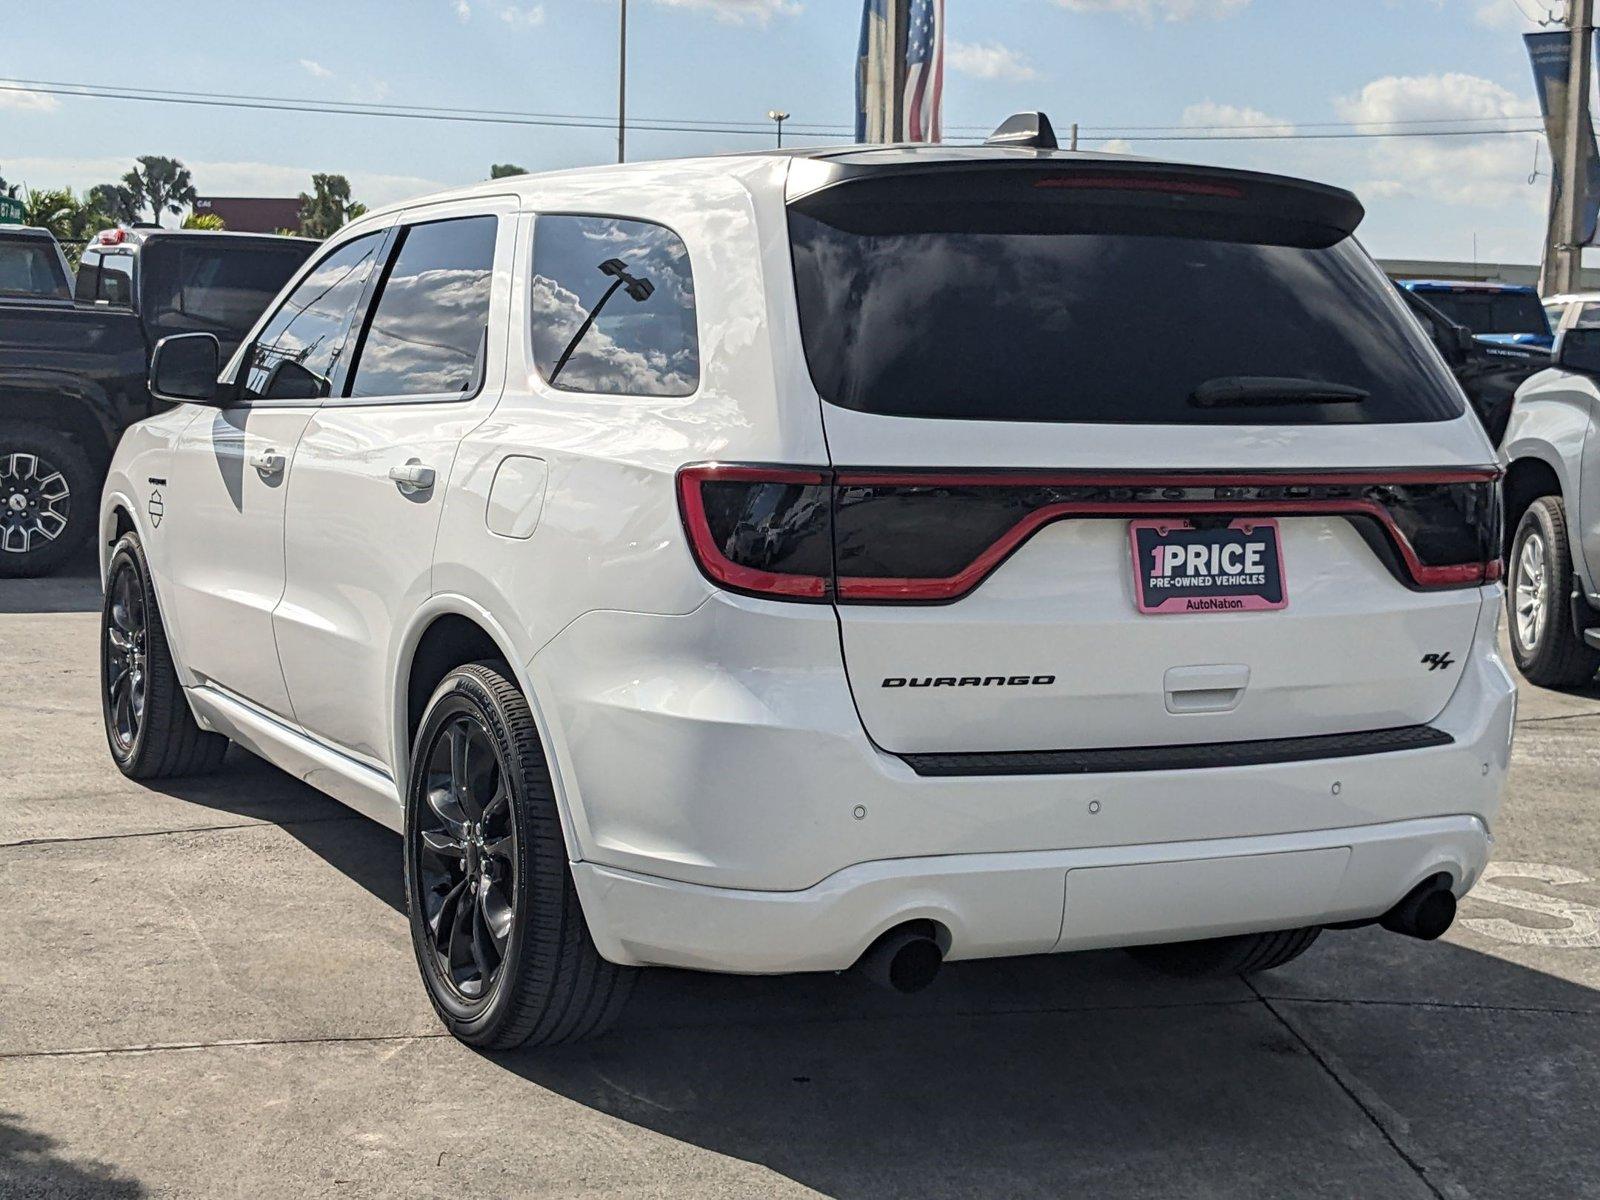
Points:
(160, 184)
(115, 202)
(328, 207)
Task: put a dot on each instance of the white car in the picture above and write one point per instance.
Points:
(784, 562)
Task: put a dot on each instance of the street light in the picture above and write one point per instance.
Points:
(778, 115)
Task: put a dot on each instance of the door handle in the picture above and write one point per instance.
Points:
(268, 462)
(412, 478)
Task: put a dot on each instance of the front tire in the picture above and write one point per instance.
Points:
(496, 924)
(47, 499)
(149, 727)
(1212, 958)
(1549, 650)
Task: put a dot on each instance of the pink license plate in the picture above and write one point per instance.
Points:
(1236, 567)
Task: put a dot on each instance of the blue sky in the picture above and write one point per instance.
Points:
(1104, 63)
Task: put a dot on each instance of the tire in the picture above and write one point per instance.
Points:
(1549, 650)
(517, 964)
(149, 727)
(1244, 954)
(48, 499)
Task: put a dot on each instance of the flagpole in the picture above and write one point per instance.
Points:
(899, 32)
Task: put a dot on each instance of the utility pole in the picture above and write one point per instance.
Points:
(1574, 144)
(622, 85)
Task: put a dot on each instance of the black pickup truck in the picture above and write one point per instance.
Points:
(74, 355)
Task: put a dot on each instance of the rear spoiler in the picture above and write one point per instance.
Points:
(1047, 193)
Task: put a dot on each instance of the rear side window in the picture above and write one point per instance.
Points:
(613, 307)
(1588, 317)
(295, 354)
(87, 284)
(1101, 310)
(426, 333)
(31, 268)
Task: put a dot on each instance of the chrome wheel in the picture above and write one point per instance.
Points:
(465, 845)
(1529, 592)
(124, 647)
(35, 501)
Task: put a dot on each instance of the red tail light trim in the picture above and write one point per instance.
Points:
(716, 565)
(944, 589)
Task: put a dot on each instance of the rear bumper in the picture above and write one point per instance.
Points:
(993, 905)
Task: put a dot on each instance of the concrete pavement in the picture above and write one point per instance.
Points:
(207, 990)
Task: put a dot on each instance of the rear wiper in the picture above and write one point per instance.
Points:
(1230, 390)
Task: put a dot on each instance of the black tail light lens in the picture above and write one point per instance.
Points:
(864, 537)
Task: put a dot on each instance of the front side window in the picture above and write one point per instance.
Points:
(295, 354)
(613, 307)
(426, 334)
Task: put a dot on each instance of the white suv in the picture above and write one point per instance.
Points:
(792, 561)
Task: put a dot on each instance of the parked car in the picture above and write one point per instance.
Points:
(1500, 312)
(1552, 459)
(32, 268)
(787, 562)
(1489, 372)
(1573, 310)
(73, 362)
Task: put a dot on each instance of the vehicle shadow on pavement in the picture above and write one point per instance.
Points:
(32, 1164)
(1084, 1073)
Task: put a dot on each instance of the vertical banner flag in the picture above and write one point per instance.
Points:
(900, 71)
(1551, 55)
(924, 94)
(874, 74)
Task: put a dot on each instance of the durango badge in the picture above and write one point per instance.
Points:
(895, 681)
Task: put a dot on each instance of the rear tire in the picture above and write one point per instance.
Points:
(1244, 954)
(48, 495)
(149, 727)
(496, 924)
(1549, 650)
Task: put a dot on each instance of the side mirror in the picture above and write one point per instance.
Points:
(1579, 350)
(184, 367)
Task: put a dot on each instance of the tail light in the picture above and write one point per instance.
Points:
(862, 537)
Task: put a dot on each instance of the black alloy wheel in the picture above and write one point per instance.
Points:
(466, 858)
(123, 650)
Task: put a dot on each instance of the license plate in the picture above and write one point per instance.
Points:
(1180, 569)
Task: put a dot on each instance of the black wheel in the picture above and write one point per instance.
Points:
(1548, 649)
(1244, 954)
(151, 732)
(47, 499)
(495, 920)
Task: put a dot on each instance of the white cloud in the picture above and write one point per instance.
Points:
(1451, 170)
(1219, 118)
(315, 69)
(739, 11)
(1502, 15)
(463, 11)
(988, 61)
(28, 101)
(522, 15)
(1149, 11)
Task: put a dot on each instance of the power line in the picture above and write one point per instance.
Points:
(1156, 133)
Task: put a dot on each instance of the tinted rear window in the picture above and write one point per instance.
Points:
(32, 268)
(225, 287)
(1491, 312)
(1119, 319)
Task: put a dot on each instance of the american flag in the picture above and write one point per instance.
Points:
(918, 106)
(924, 70)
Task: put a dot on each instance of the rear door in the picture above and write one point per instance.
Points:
(1035, 381)
(369, 476)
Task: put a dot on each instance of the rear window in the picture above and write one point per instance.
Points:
(1492, 312)
(32, 268)
(1086, 311)
(225, 287)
